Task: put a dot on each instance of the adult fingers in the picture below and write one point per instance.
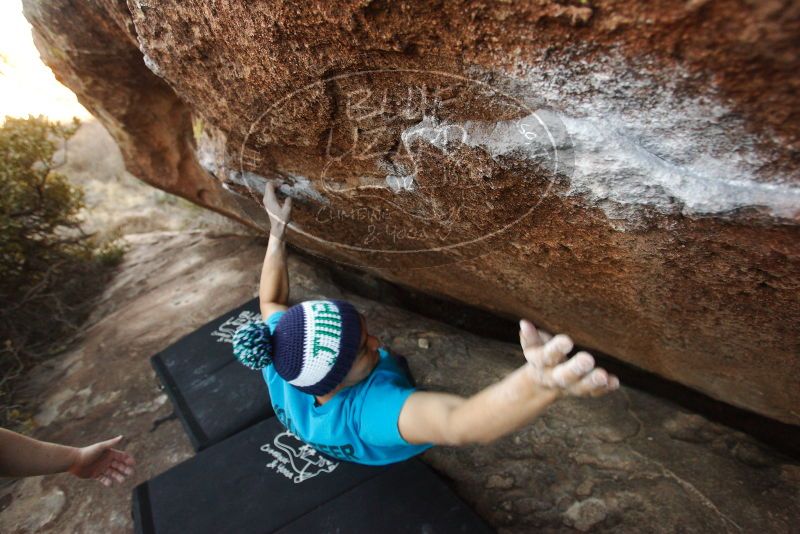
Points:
(116, 475)
(122, 456)
(96, 459)
(122, 467)
(570, 372)
(104, 480)
(95, 452)
(125, 457)
(109, 443)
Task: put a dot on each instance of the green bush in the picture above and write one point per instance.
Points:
(49, 267)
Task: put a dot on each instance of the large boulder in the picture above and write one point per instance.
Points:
(626, 174)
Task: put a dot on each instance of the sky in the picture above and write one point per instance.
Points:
(28, 86)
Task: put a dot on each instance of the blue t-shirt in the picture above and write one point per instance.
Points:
(359, 424)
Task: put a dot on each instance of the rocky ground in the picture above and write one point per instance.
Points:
(628, 462)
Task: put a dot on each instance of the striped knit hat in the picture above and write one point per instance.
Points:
(313, 346)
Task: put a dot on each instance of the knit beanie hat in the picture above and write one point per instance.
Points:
(313, 346)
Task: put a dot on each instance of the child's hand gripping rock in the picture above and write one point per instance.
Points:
(575, 377)
(278, 215)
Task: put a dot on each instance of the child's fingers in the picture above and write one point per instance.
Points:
(595, 384)
(269, 193)
(548, 354)
(611, 385)
(589, 385)
(570, 372)
(544, 335)
(556, 350)
(528, 334)
(551, 353)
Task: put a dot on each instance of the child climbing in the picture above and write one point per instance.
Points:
(337, 389)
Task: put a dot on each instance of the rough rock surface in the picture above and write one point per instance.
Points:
(625, 173)
(627, 462)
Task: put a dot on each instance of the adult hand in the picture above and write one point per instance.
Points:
(278, 215)
(576, 377)
(102, 462)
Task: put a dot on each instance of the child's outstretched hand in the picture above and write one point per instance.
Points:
(278, 215)
(576, 377)
(102, 462)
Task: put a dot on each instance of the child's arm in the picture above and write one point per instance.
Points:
(509, 404)
(21, 456)
(273, 291)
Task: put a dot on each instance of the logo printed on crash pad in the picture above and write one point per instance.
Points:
(294, 459)
(224, 332)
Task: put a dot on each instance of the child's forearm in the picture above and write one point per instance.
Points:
(274, 285)
(22, 456)
(509, 404)
(503, 407)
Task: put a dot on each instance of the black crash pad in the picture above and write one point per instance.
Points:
(214, 396)
(265, 480)
(408, 498)
(258, 480)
